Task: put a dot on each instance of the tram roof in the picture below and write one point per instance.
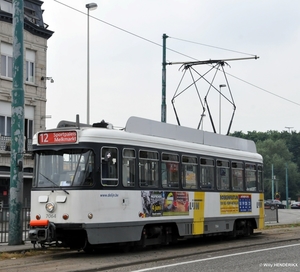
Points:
(142, 126)
(164, 130)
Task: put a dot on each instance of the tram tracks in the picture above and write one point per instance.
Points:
(113, 260)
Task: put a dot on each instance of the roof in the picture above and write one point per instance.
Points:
(33, 23)
(154, 128)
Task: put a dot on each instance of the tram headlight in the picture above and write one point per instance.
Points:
(50, 207)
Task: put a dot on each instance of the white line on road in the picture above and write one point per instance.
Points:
(214, 258)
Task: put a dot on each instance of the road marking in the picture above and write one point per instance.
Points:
(214, 258)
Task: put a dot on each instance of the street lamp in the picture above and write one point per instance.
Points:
(90, 6)
(289, 128)
(220, 86)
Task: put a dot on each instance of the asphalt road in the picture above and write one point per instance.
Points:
(276, 257)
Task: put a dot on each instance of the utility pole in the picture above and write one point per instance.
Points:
(286, 186)
(272, 182)
(17, 128)
(164, 75)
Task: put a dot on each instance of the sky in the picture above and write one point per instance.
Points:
(126, 62)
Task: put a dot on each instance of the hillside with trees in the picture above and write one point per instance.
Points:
(282, 150)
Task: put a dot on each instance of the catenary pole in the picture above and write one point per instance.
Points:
(286, 186)
(164, 76)
(272, 181)
(17, 128)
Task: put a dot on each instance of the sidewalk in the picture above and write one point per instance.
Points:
(4, 247)
(285, 216)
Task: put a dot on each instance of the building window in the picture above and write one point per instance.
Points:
(6, 65)
(6, 60)
(8, 126)
(28, 129)
(2, 125)
(30, 66)
(29, 71)
(5, 125)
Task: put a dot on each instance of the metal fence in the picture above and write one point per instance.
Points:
(4, 224)
(271, 215)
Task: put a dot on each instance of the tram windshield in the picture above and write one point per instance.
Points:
(63, 168)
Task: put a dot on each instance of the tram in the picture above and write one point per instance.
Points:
(147, 184)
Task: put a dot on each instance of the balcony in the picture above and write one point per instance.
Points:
(5, 144)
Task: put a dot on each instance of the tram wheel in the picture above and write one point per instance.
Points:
(249, 229)
(89, 250)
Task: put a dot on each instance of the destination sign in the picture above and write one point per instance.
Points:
(61, 137)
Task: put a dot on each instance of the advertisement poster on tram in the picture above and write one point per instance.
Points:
(235, 203)
(160, 203)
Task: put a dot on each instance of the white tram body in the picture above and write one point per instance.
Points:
(150, 183)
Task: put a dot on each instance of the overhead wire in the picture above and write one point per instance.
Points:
(182, 54)
(124, 30)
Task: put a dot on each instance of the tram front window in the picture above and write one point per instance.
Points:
(64, 168)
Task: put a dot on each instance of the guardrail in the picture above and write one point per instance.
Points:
(4, 224)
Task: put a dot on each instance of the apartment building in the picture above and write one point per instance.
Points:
(36, 35)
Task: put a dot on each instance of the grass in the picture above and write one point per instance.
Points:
(21, 254)
(282, 226)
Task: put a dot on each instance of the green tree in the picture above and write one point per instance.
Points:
(282, 149)
(277, 153)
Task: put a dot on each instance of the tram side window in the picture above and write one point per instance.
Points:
(223, 175)
(207, 171)
(250, 177)
(189, 172)
(237, 170)
(128, 167)
(260, 178)
(148, 168)
(109, 166)
(170, 170)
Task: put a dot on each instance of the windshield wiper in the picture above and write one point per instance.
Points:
(53, 183)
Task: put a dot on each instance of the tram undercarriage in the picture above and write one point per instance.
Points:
(76, 236)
